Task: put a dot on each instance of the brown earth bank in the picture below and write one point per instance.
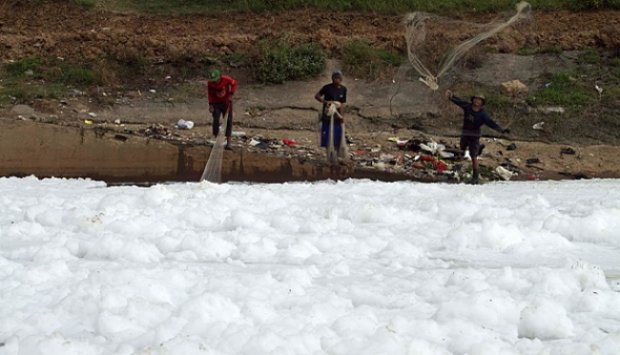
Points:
(156, 153)
(122, 134)
(49, 29)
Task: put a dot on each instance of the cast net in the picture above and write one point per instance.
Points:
(418, 26)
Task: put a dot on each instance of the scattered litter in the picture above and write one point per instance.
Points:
(238, 134)
(92, 114)
(117, 121)
(513, 88)
(532, 161)
(76, 93)
(120, 137)
(568, 151)
(538, 126)
(88, 122)
(153, 91)
(533, 177)
(552, 109)
(512, 146)
(157, 131)
(402, 144)
(504, 173)
(581, 176)
(183, 124)
(436, 149)
(289, 142)
(599, 89)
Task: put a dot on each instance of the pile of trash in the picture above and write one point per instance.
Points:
(419, 157)
(158, 131)
(422, 157)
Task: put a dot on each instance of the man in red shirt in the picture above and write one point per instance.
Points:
(221, 88)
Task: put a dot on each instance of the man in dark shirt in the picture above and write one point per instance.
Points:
(474, 118)
(334, 92)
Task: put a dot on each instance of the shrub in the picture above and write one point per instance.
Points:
(86, 3)
(280, 61)
(361, 59)
(77, 76)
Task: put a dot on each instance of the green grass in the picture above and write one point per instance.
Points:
(362, 60)
(525, 51)
(24, 92)
(565, 90)
(575, 89)
(615, 68)
(19, 68)
(279, 61)
(385, 7)
(86, 3)
(28, 79)
(589, 56)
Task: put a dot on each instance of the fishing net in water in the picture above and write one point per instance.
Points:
(332, 153)
(420, 25)
(213, 169)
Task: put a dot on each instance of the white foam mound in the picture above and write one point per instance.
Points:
(326, 268)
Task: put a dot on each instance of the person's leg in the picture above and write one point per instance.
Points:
(324, 132)
(464, 145)
(217, 112)
(229, 123)
(474, 148)
(337, 133)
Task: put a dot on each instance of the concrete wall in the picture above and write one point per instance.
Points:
(44, 150)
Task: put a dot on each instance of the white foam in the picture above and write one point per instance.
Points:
(352, 267)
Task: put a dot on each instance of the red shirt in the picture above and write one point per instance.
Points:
(220, 92)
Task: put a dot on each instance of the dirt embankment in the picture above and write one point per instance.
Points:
(378, 113)
(68, 31)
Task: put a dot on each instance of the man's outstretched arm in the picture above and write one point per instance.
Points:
(456, 100)
(492, 124)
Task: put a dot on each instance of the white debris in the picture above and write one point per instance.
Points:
(504, 173)
(183, 124)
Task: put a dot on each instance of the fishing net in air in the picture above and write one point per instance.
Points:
(420, 25)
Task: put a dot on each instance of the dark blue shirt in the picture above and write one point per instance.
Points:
(331, 92)
(474, 120)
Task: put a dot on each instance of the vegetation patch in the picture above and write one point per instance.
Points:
(278, 61)
(29, 78)
(362, 60)
(564, 90)
(86, 3)
(577, 88)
